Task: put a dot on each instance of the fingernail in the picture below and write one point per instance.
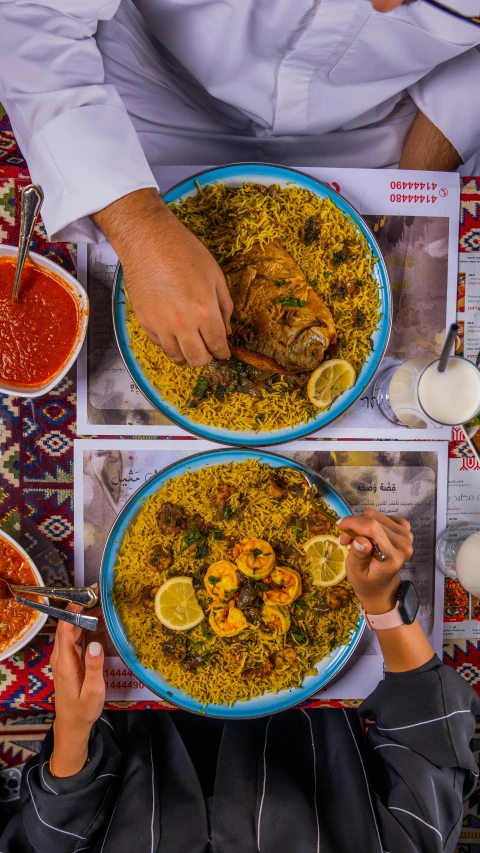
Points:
(358, 546)
(339, 520)
(94, 649)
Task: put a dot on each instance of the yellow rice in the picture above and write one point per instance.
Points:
(223, 678)
(229, 224)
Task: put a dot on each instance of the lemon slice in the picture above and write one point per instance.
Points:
(328, 381)
(176, 605)
(327, 560)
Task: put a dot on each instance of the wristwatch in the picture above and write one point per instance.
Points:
(404, 612)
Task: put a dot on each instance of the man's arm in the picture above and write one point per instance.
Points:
(72, 127)
(83, 150)
(444, 134)
(426, 148)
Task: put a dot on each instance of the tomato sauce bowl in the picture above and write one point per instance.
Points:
(40, 335)
(18, 624)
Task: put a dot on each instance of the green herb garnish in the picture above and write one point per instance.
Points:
(193, 535)
(202, 550)
(292, 302)
(201, 388)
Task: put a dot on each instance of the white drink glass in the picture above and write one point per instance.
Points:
(449, 543)
(453, 397)
(468, 564)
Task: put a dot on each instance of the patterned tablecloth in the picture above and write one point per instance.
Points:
(36, 459)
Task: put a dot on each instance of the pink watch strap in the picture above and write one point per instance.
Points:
(392, 619)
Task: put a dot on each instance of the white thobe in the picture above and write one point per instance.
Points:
(101, 92)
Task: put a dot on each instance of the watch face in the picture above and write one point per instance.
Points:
(407, 598)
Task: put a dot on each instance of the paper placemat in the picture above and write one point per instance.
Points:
(405, 480)
(416, 224)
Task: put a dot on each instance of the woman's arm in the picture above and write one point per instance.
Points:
(376, 584)
(420, 762)
(69, 791)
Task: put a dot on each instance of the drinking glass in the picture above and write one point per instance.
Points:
(449, 543)
(417, 395)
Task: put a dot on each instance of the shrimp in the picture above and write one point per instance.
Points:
(286, 586)
(221, 579)
(254, 557)
(226, 621)
(276, 617)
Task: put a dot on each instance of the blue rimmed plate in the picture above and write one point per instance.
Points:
(237, 175)
(268, 703)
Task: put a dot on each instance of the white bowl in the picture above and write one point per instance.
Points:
(80, 296)
(30, 633)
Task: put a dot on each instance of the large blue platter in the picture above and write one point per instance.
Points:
(269, 703)
(236, 175)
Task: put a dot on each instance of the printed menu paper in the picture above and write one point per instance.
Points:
(405, 480)
(462, 611)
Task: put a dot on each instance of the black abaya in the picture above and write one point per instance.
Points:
(298, 782)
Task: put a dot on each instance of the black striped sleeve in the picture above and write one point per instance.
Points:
(421, 762)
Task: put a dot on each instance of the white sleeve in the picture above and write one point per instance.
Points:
(73, 129)
(450, 97)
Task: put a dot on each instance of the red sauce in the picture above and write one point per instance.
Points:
(37, 333)
(15, 618)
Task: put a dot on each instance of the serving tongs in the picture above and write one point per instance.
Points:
(83, 595)
(377, 552)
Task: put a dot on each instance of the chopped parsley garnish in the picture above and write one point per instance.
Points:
(193, 535)
(202, 550)
(257, 552)
(237, 366)
(220, 392)
(201, 388)
(299, 636)
(341, 256)
(216, 533)
(213, 580)
(292, 302)
(360, 319)
(227, 512)
(281, 283)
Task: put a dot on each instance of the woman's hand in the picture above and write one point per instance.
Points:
(79, 696)
(376, 583)
(177, 290)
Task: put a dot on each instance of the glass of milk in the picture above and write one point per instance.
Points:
(450, 398)
(449, 544)
(468, 564)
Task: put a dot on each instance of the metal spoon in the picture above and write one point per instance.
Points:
(32, 198)
(89, 623)
(80, 595)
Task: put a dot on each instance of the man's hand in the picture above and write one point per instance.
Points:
(178, 291)
(79, 696)
(376, 583)
(426, 148)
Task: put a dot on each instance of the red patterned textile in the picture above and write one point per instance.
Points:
(36, 461)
